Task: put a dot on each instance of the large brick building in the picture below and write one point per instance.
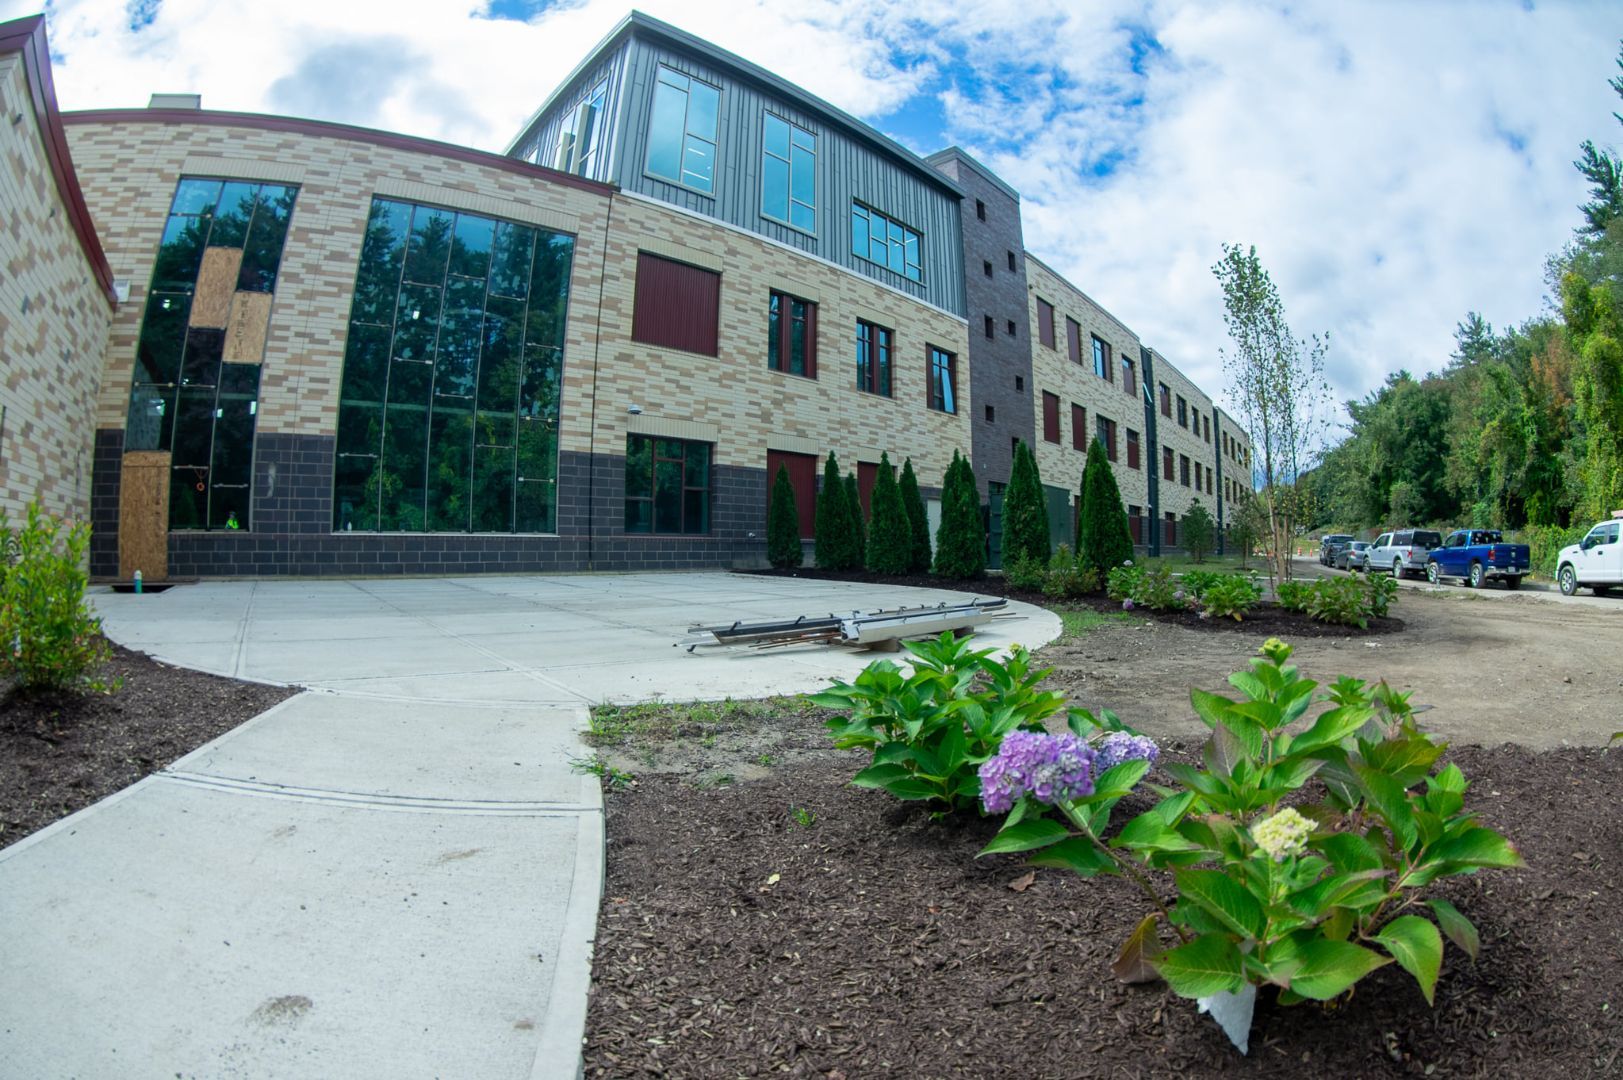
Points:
(257, 345)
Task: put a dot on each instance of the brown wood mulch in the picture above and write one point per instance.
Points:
(734, 940)
(1266, 618)
(62, 752)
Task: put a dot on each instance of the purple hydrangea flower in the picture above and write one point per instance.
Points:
(1049, 768)
(1119, 746)
(1127, 604)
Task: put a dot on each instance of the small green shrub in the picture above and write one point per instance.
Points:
(1199, 531)
(918, 520)
(1103, 538)
(1195, 582)
(1025, 511)
(960, 542)
(1067, 578)
(930, 730)
(859, 524)
(1293, 595)
(1229, 597)
(1383, 592)
(836, 528)
(783, 524)
(1339, 600)
(1124, 582)
(1026, 574)
(49, 639)
(890, 539)
(1151, 587)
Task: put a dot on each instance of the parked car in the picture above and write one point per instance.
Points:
(1403, 552)
(1477, 556)
(1353, 556)
(1329, 545)
(1595, 562)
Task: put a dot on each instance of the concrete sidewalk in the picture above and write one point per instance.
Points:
(395, 874)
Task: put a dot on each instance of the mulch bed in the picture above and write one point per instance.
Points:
(735, 941)
(1266, 618)
(62, 752)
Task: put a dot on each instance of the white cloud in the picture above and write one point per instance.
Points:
(1396, 165)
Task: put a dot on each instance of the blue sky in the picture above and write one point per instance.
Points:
(1396, 164)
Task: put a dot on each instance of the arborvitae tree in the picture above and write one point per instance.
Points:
(918, 521)
(890, 538)
(859, 527)
(960, 548)
(1025, 514)
(1199, 531)
(835, 531)
(783, 523)
(1103, 539)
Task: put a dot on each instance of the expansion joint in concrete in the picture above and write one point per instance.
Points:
(362, 800)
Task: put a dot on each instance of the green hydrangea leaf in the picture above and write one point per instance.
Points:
(1208, 965)
(1330, 968)
(1417, 947)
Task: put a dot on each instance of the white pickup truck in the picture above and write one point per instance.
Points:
(1595, 562)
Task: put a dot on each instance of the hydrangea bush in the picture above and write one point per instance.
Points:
(50, 640)
(1308, 897)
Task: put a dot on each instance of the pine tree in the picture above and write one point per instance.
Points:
(890, 538)
(783, 524)
(960, 550)
(835, 549)
(918, 521)
(1199, 531)
(1025, 514)
(859, 527)
(1103, 539)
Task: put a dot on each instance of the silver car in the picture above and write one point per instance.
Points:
(1402, 553)
(1353, 556)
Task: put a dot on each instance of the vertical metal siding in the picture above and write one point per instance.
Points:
(546, 136)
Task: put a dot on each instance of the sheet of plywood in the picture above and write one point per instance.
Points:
(245, 333)
(216, 284)
(143, 515)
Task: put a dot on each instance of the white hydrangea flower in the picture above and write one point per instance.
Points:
(1283, 834)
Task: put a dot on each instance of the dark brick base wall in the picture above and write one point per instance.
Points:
(291, 525)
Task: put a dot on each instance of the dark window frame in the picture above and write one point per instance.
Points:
(1133, 450)
(1101, 358)
(1045, 323)
(913, 272)
(938, 360)
(1079, 427)
(653, 491)
(1050, 417)
(1106, 428)
(873, 371)
(780, 345)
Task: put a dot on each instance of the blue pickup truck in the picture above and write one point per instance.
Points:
(1477, 556)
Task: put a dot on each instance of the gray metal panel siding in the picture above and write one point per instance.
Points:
(846, 170)
(546, 135)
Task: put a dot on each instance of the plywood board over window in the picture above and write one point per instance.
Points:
(216, 285)
(245, 330)
(143, 515)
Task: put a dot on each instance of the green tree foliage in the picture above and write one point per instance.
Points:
(853, 508)
(1278, 381)
(960, 542)
(1199, 531)
(783, 524)
(52, 639)
(890, 537)
(1596, 331)
(1103, 538)
(835, 529)
(918, 521)
(1025, 512)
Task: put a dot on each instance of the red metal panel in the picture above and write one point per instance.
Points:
(678, 306)
(1045, 322)
(1079, 427)
(867, 474)
(1050, 417)
(803, 475)
(1132, 449)
(1073, 339)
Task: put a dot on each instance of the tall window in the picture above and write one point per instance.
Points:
(677, 306)
(1183, 470)
(196, 380)
(1107, 436)
(943, 384)
(580, 139)
(1050, 417)
(1045, 322)
(1166, 403)
(1183, 412)
(873, 358)
(1101, 360)
(1128, 382)
(891, 244)
(667, 485)
(1206, 427)
(789, 174)
(1079, 427)
(1166, 463)
(448, 409)
(1073, 340)
(1132, 449)
(791, 336)
(682, 131)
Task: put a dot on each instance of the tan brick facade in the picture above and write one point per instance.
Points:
(54, 321)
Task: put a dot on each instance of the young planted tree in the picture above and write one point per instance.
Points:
(835, 530)
(1278, 382)
(1246, 524)
(960, 543)
(918, 521)
(783, 524)
(1103, 538)
(890, 539)
(1199, 531)
(1025, 514)
(859, 527)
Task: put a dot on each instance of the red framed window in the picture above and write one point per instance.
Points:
(873, 358)
(1171, 529)
(677, 306)
(1166, 463)
(1129, 381)
(1135, 522)
(791, 335)
(1166, 403)
(1107, 435)
(1045, 322)
(943, 390)
(1183, 470)
(1073, 339)
(1132, 449)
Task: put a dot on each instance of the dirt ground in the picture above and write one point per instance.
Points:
(1512, 669)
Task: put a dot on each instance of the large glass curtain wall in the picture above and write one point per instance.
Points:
(448, 413)
(193, 395)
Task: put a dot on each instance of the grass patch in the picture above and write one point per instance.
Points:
(1227, 564)
(702, 721)
(1078, 621)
